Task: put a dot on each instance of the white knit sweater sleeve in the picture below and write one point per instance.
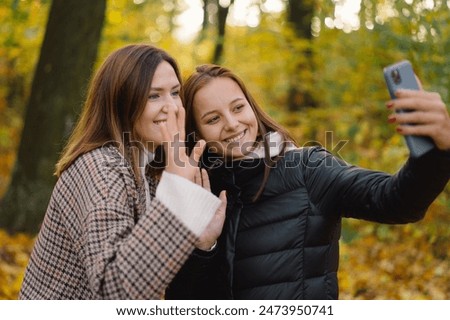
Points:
(189, 202)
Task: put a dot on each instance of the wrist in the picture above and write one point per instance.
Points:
(207, 248)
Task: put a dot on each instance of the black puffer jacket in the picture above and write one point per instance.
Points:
(285, 245)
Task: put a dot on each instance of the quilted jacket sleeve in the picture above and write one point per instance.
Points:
(377, 196)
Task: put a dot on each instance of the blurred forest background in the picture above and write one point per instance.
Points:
(316, 66)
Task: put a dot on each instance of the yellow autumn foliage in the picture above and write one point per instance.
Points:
(377, 261)
(14, 254)
(398, 262)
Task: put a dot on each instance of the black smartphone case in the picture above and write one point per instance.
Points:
(401, 76)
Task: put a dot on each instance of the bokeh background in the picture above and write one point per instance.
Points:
(315, 66)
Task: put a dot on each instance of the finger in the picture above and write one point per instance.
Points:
(198, 177)
(402, 93)
(181, 118)
(166, 142)
(205, 180)
(418, 130)
(165, 132)
(417, 103)
(176, 142)
(223, 205)
(172, 124)
(197, 152)
(169, 130)
(417, 117)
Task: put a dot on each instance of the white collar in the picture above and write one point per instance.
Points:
(148, 156)
(145, 158)
(275, 141)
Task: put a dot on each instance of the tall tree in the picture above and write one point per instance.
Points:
(68, 53)
(299, 16)
(205, 21)
(215, 13)
(222, 14)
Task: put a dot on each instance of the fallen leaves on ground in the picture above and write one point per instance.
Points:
(14, 254)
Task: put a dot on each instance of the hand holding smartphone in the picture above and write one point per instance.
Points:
(401, 76)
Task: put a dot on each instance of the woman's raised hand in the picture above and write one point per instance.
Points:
(428, 113)
(178, 161)
(209, 237)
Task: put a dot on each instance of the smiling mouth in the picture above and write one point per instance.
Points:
(159, 122)
(236, 138)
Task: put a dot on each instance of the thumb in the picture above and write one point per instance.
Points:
(223, 198)
(197, 152)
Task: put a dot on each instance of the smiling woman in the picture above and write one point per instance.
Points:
(164, 97)
(285, 204)
(115, 228)
(225, 118)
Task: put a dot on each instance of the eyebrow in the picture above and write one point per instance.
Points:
(212, 111)
(162, 89)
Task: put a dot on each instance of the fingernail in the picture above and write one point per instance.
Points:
(392, 119)
(399, 129)
(389, 104)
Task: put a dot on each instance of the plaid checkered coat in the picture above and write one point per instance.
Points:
(98, 242)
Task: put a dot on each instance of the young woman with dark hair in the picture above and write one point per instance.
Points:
(285, 204)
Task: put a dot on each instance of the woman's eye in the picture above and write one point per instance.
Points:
(239, 107)
(212, 120)
(176, 93)
(153, 97)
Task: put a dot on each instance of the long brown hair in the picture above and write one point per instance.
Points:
(116, 98)
(205, 74)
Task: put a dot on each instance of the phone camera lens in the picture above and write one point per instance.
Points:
(395, 75)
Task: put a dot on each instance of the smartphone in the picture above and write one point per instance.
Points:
(401, 76)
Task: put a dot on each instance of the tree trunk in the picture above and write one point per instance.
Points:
(299, 16)
(222, 14)
(205, 22)
(68, 53)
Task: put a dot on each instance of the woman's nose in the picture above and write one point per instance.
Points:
(170, 106)
(231, 123)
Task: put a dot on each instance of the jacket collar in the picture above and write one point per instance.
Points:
(242, 171)
(275, 141)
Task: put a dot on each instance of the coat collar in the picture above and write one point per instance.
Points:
(240, 172)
